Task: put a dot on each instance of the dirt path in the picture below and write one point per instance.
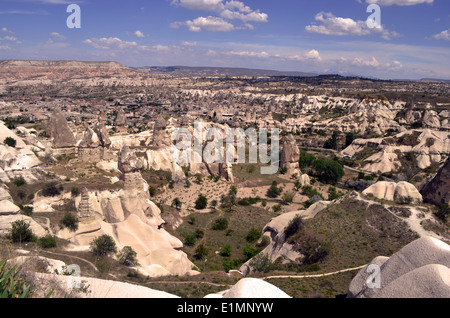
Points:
(317, 275)
(76, 257)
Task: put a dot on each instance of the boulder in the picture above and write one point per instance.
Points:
(420, 269)
(254, 288)
(7, 208)
(392, 191)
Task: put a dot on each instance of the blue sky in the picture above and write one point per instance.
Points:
(323, 36)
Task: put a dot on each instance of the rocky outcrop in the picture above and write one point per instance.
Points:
(130, 166)
(290, 155)
(58, 130)
(399, 192)
(18, 161)
(95, 144)
(121, 124)
(437, 190)
(160, 136)
(252, 288)
(279, 249)
(7, 220)
(419, 270)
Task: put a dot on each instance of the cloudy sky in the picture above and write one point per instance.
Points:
(323, 36)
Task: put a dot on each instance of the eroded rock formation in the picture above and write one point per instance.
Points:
(58, 130)
(437, 190)
(419, 270)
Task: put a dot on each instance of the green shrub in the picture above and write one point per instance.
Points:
(201, 202)
(277, 208)
(70, 221)
(329, 171)
(47, 241)
(75, 192)
(177, 203)
(294, 226)
(190, 239)
(26, 210)
(21, 232)
(220, 224)
(306, 159)
(201, 252)
(253, 235)
(152, 191)
(229, 264)
(250, 251)
(405, 200)
(261, 263)
(274, 191)
(103, 245)
(288, 197)
(199, 234)
(225, 251)
(127, 256)
(51, 190)
(333, 194)
(10, 142)
(20, 181)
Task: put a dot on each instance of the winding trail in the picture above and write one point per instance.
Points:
(317, 275)
(76, 257)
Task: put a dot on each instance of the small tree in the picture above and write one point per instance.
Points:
(70, 221)
(51, 190)
(288, 197)
(201, 202)
(198, 178)
(190, 239)
(128, 256)
(201, 252)
(274, 191)
(20, 181)
(253, 235)
(225, 251)
(261, 263)
(10, 142)
(250, 251)
(294, 226)
(177, 203)
(103, 245)
(21, 232)
(47, 241)
(220, 224)
(75, 192)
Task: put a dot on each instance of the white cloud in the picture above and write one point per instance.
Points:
(444, 35)
(373, 62)
(254, 16)
(57, 36)
(187, 43)
(332, 25)
(249, 54)
(231, 10)
(205, 23)
(110, 43)
(5, 30)
(398, 2)
(313, 54)
(4, 47)
(139, 34)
